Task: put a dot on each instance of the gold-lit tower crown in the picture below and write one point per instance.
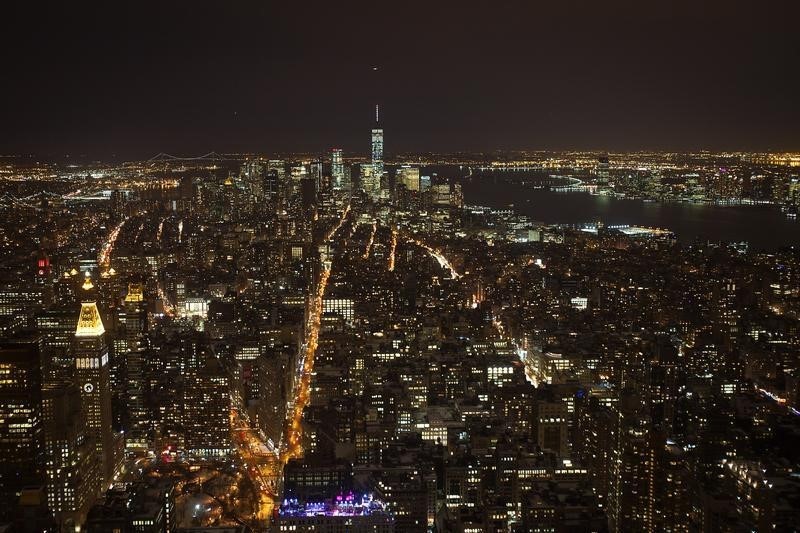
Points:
(135, 291)
(89, 322)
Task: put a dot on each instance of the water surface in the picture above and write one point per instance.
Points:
(763, 227)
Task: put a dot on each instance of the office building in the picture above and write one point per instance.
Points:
(72, 469)
(145, 507)
(337, 168)
(408, 177)
(377, 146)
(21, 454)
(207, 410)
(134, 320)
(92, 376)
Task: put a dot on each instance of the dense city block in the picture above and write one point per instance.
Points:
(305, 343)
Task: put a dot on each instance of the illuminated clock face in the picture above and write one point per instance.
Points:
(41, 272)
(88, 387)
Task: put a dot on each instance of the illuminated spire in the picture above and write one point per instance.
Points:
(89, 322)
(377, 114)
(87, 283)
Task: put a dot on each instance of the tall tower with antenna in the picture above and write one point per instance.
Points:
(377, 145)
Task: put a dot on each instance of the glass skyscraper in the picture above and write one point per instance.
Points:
(377, 146)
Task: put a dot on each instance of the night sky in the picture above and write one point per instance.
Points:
(111, 81)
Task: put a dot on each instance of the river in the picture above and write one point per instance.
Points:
(763, 227)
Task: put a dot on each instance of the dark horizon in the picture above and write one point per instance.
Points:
(118, 82)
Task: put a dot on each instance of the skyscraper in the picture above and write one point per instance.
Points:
(117, 205)
(370, 181)
(602, 169)
(134, 316)
(308, 194)
(408, 177)
(57, 327)
(632, 493)
(20, 419)
(337, 168)
(92, 374)
(206, 410)
(377, 146)
(72, 469)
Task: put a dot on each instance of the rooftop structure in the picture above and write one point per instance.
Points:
(89, 322)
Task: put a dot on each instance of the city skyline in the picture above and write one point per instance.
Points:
(299, 344)
(364, 285)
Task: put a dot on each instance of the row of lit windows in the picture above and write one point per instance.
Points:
(91, 362)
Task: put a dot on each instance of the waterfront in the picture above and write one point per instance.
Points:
(763, 227)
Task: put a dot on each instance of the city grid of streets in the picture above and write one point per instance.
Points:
(276, 356)
(262, 464)
(357, 290)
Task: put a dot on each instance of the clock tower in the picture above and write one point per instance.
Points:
(92, 376)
